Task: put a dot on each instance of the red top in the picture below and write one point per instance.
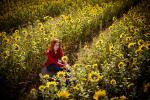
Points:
(53, 59)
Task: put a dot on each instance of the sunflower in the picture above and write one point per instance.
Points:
(16, 47)
(69, 17)
(64, 59)
(46, 17)
(101, 41)
(34, 48)
(33, 91)
(125, 18)
(77, 65)
(6, 54)
(136, 31)
(128, 38)
(7, 40)
(51, 84)
(33, 43)
(83, 79)
(137, 51)
(94, 76)
(120, 55)
(88, 66)
(22, 58)
(15, 34)
(46, 76)
(63, 93)
(4, 33)
(123, 97)
(98, 94)
(62, 16)
(17, 38)
(121, 64)
(142, 47)
(140, 42)
(42, 88)
(113, 82)
(41, 28)
(95, 66)
(132, 28)
(131, 44)
(61, 74)
(16, 31)
(129, 85)
(114, 98)
(54, 34)
(46, 39)
(114, 18)
(40, 24)
(24, 32)
(111, 47)
(77, 87)
(121, 35)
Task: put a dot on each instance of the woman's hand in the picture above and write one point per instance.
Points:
(59, 61)
(67, 64)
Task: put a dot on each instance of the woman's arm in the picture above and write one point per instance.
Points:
(52, 61)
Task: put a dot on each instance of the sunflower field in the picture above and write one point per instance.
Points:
(106, 44)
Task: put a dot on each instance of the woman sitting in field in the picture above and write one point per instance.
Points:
(54, 54)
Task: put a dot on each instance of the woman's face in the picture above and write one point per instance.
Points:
(56, 46)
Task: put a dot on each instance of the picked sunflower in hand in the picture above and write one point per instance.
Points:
(64, 59)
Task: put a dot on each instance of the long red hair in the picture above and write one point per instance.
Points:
(59, 52)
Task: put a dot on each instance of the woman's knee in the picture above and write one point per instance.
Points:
(58, 68)
(54, 68)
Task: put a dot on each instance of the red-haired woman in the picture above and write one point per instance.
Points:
(54, 54)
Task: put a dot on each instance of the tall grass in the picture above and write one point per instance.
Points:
(16, 12)
(122, 53)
